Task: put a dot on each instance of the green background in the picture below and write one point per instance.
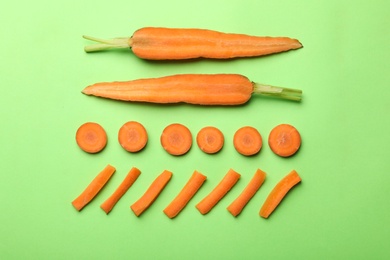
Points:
(339, 211)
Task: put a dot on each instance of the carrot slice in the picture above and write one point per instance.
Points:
(284, 140)
(185, 195)
(91, 137)
(250, 190)
(93, 188)
(132, 136)
(176, 139)
(247, 141)
(226, 184)
(210, 139)
(151, 193)
(278, 193)
(131, 177)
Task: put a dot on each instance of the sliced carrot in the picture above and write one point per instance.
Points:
(210, 139)
(131, 177)
(151, 193)
(132, 136)
(93, 188)
(176, 139)
(250, 190)
(185, 195)
(91, 137)
(247, 141)
(226, 184)
(284, 140)
(279, 192)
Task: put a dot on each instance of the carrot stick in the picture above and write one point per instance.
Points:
(250, 190)
(91, 137)
(284, 140)
(198, 89)
(210, 139)
(176, 139)
(156, 43)
(132, 136)
(228, 181)
(278, 193)
(93, 188)
(151, 193)
(131, 177)
(247, 141)
(185, 195)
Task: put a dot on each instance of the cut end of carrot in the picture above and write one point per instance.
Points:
(284, 140)
(247, 141)
(91, 137)
(210, 140)
(176, 139)
(132, 136)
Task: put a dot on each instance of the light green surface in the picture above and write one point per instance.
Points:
(340, 211)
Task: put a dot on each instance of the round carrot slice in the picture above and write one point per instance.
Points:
(210, 139)
(284, 140)
(91, 137)
(132, 136)
(176, 139)
(247, 141)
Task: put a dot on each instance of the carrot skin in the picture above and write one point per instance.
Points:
(250, 190)
(111, 201)
(226, 184)
(93, 188)
(151, 194)
(185, 195)
(279, 192)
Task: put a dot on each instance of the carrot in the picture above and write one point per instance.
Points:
(284, 140)
(199, 89)
(131, 177)
(247, 141)
(132, 136)
(278, 193)
(226, 184)
(176, 139)
(250, 190)
(93, 188)
(91, 137)
(210, 139)
(151, 193)
(185, 195)
(156, 43)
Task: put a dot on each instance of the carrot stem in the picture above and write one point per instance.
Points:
(278, 92)
(105, 44)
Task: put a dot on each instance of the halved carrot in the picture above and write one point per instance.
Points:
(284, 140)
(91, 137)
(199, 89)
(156, 43)
(278, 193)
(151, 193)
(131, 177)
(250, 190)
(210, 139)
(185, 195)
(226, 184)
(176, 139)
(132, 136)
(93, 188)
(247, 141)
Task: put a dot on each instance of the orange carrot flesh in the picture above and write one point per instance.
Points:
(250, 190)
(132, 136)
(176, 139)
(93, 188)
(226, 184)
(111, 201)
(210, 139)
(279, 192)
(247, 141)
(185, 195)
(151, 194)
(284, 140)
(198, 89)
(91, 137)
